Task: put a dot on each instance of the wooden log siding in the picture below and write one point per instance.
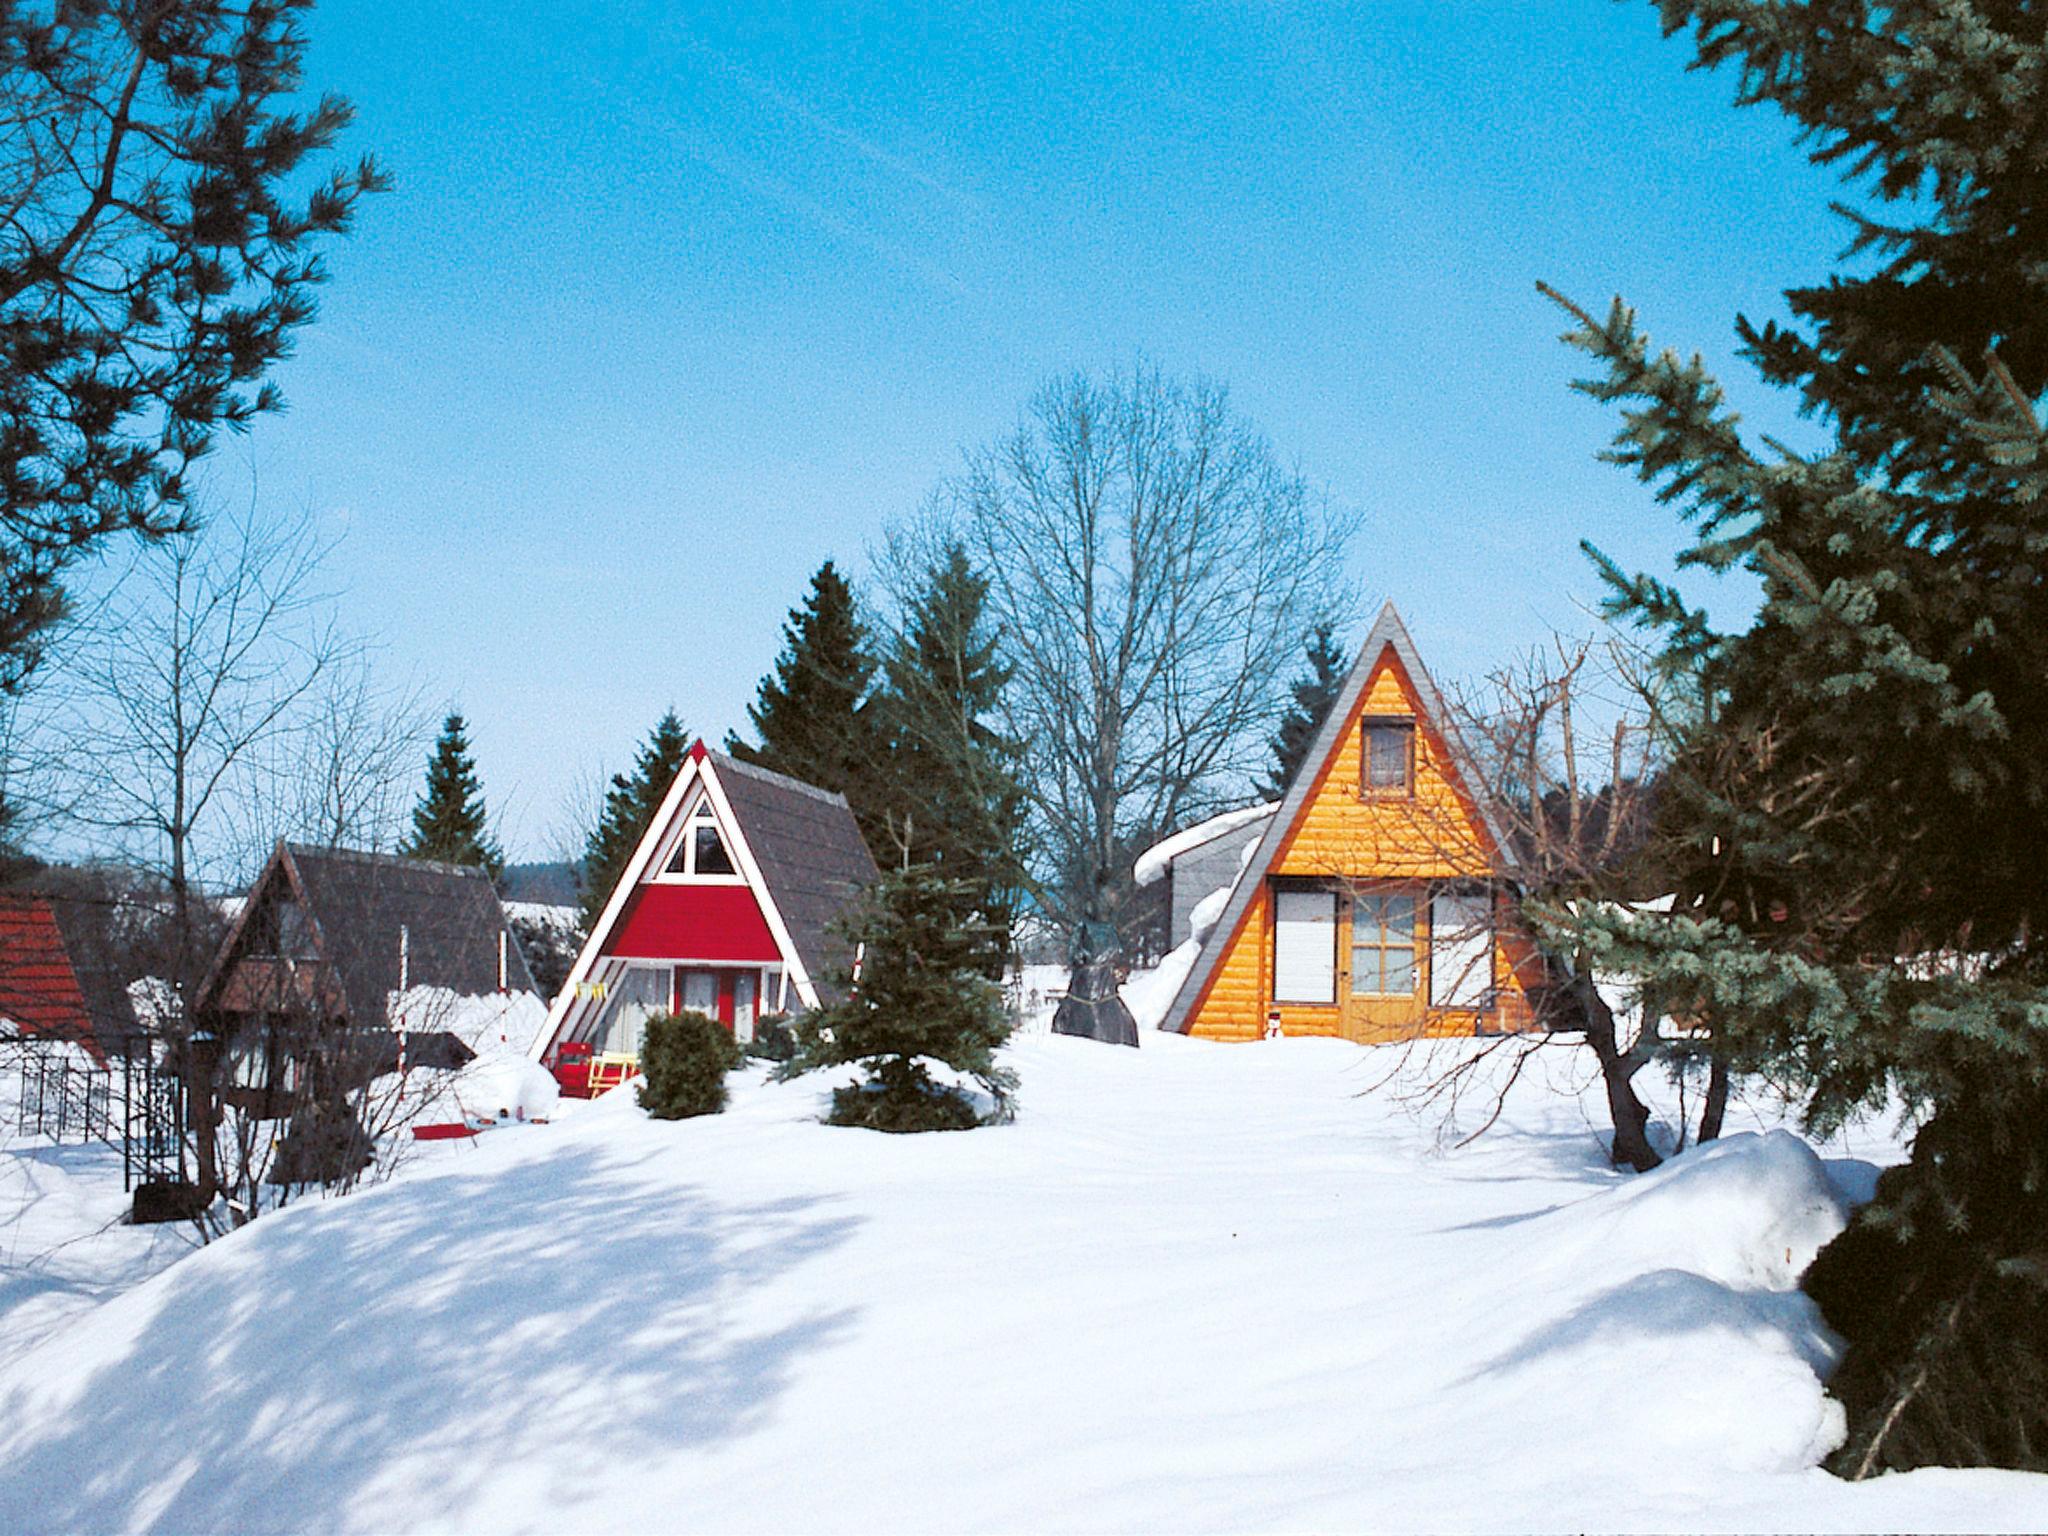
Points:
(1352, 839)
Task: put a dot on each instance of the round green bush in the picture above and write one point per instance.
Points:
(684, 1058)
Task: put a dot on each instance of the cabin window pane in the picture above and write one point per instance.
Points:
(1461, 951)
(700, 993)
(640, 992)
(1383, 946)
(1390, 756)
(1305, 947)
(745, 987)
(710, 855)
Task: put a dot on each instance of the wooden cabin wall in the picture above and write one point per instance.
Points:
(1344, 835)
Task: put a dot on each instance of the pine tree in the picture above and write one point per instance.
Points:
(1860, 782)
(166, 199)
(814, 717)
(919, 996)
(1314, 692)
(953, 800)
(629, 807)
(449, 823)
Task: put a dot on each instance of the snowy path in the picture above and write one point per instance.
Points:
(1192, 1287)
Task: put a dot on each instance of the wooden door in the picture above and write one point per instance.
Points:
(1381, 963)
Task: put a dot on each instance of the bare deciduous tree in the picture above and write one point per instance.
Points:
(1153, 569)
(1569, 741)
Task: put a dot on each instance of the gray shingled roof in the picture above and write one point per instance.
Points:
(811, 855)
(360, 902)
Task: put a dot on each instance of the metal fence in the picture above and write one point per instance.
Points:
(132, 1104)
(153, 1118)
(61, 1097)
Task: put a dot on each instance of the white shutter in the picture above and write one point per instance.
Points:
(1461, 952)
(1305, 947)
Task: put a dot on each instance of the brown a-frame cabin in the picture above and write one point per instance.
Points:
(1379, 904)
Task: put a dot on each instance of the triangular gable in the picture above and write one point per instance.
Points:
(702, 770)
(1388, 634)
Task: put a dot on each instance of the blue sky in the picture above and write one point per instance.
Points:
(671, 304)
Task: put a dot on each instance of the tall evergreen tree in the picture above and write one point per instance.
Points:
(953, 800)
(1861, 781)
(166, 198)
(629, 807)
(1314, 692)
(449, 823)
(814, 716)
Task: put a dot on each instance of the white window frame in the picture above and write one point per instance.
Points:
(698, 812)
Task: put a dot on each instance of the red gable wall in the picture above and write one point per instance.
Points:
(694, 922)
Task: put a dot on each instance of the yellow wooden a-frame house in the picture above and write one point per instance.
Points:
(1379, 903)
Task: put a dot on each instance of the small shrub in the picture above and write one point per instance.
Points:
(683, 1061)
(773, 1039)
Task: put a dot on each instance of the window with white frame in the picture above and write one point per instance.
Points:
(701, 853)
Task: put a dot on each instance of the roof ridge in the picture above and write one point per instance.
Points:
(755, 770)
(384, 860)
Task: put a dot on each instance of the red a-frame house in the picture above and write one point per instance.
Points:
(727, 907)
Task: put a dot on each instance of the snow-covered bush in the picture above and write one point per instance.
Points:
(684, 1058)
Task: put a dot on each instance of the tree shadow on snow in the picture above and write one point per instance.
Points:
(542, 1326)
(1667, 1303)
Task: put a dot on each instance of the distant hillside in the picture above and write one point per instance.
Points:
(551, 885)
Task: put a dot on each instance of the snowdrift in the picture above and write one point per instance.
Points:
(1192, 1287)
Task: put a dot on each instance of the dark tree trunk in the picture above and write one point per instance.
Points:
(1717, 1099)
(1617, 1070)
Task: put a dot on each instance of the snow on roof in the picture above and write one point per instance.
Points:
(1153, 862)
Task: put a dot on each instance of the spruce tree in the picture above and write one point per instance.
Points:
(953, 800)
(1860, 785)
(919, 997)
(814, 716)
(1314, 692)
(629, 806)
(449, 824)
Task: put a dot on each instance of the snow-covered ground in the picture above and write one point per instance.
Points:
(1191, 1287)
(64, 1240)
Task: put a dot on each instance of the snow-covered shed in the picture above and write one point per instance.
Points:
(1200, 860)
(1378, 902)
(728, 906)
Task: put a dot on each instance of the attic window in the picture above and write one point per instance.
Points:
(1389, 756)
(702, 852)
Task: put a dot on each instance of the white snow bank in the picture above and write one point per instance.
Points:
(1193, 1287)
(1689, 1275)
(1153, 862)
(545, 914)
(65, 1245)
(484, 1022)
(505, 1085)
(1149, 994)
